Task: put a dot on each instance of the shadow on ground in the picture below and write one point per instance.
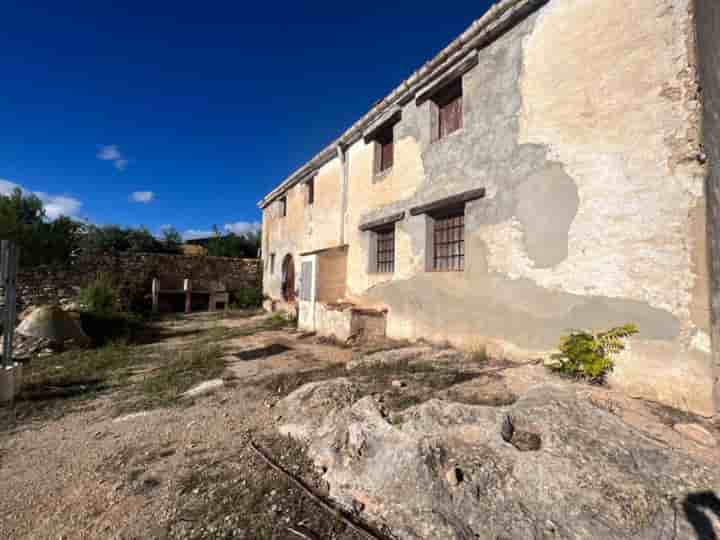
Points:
(697, 506)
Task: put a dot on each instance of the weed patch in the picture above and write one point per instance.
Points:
(177, 372)
(55, 385)
(239, 496)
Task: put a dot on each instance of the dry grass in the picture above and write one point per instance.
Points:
(59, 384)
(420, 380)
(239, 496)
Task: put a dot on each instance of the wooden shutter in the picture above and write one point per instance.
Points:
(377, 157)
(387, 155)
(451, 117)
(384, 150)
(449, 106)
(311, 191)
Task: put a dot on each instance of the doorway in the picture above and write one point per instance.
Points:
(308, 286)
(288, 279)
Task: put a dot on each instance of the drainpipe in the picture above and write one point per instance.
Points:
(342, 156)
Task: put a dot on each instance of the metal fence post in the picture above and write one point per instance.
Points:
(10, 378)
(9, 254)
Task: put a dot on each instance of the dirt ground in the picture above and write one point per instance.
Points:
(184, 468)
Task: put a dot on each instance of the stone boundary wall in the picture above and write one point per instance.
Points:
(133, 274)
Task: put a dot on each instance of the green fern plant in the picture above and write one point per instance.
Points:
(587, 355)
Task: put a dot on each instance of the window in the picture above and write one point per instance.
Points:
(283, 206)
(385, 250)
(449, 242)
(384, 150)
(311, 191)
(449, 110)
(272, 263)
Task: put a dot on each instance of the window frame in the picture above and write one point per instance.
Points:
(310, 186)
(447, 98)
(272, 264)
(282, 201)
(384, 144)
(384, 256)
(448, 235)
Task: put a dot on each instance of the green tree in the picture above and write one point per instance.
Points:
(23, 219)
(232, 245)
(172, 240)
(114, 239)
(19, 214)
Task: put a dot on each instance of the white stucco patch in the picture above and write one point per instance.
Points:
(600, 111)
(701, 342)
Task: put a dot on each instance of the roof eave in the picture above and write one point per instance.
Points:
(496, 21)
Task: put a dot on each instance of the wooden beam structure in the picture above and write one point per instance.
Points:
(449, 202)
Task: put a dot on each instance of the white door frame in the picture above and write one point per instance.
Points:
(308, 297)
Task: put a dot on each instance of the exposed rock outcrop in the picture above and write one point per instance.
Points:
(552, 465)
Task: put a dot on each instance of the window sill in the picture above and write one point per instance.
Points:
(380, 176)
(452, 135)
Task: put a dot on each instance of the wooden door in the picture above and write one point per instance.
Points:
(288, 283)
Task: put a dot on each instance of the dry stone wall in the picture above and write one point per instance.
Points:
(133, 274)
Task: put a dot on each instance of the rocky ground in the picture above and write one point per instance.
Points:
(411, 441)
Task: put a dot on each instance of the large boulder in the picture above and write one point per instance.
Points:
(552, 465)
(53, 324)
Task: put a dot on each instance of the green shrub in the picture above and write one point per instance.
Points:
(589, 356)
(116, 327)
(100, 297)
(248, 297)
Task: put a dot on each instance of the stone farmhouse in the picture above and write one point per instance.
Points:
(555, 167)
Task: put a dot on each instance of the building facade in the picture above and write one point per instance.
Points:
(548, 170)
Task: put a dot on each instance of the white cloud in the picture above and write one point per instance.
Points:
(192, 234)
(143, 197)
(55, 205)
(112, 153)
(6, 187)
(58, 205)
(242, 227)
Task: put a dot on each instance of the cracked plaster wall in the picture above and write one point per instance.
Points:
(582, 123)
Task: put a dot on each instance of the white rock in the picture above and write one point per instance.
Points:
(133, 416)
(207, 387)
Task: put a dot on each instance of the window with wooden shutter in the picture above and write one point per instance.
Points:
(449, 109)
(311, 191)
(384, 150)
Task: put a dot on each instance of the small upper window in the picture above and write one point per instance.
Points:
(283, 206)
(449, 241)
(384, 150)
(272, 263)
(449, 110)
(385, 255)
(311, 192)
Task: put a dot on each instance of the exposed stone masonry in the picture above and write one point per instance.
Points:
(133, 273)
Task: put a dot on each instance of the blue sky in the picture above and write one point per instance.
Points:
(186, 113)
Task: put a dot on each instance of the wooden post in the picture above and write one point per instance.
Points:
(187, 287)
(155, 295)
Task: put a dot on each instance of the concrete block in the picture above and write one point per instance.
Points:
(7, 384)
(17, 378)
